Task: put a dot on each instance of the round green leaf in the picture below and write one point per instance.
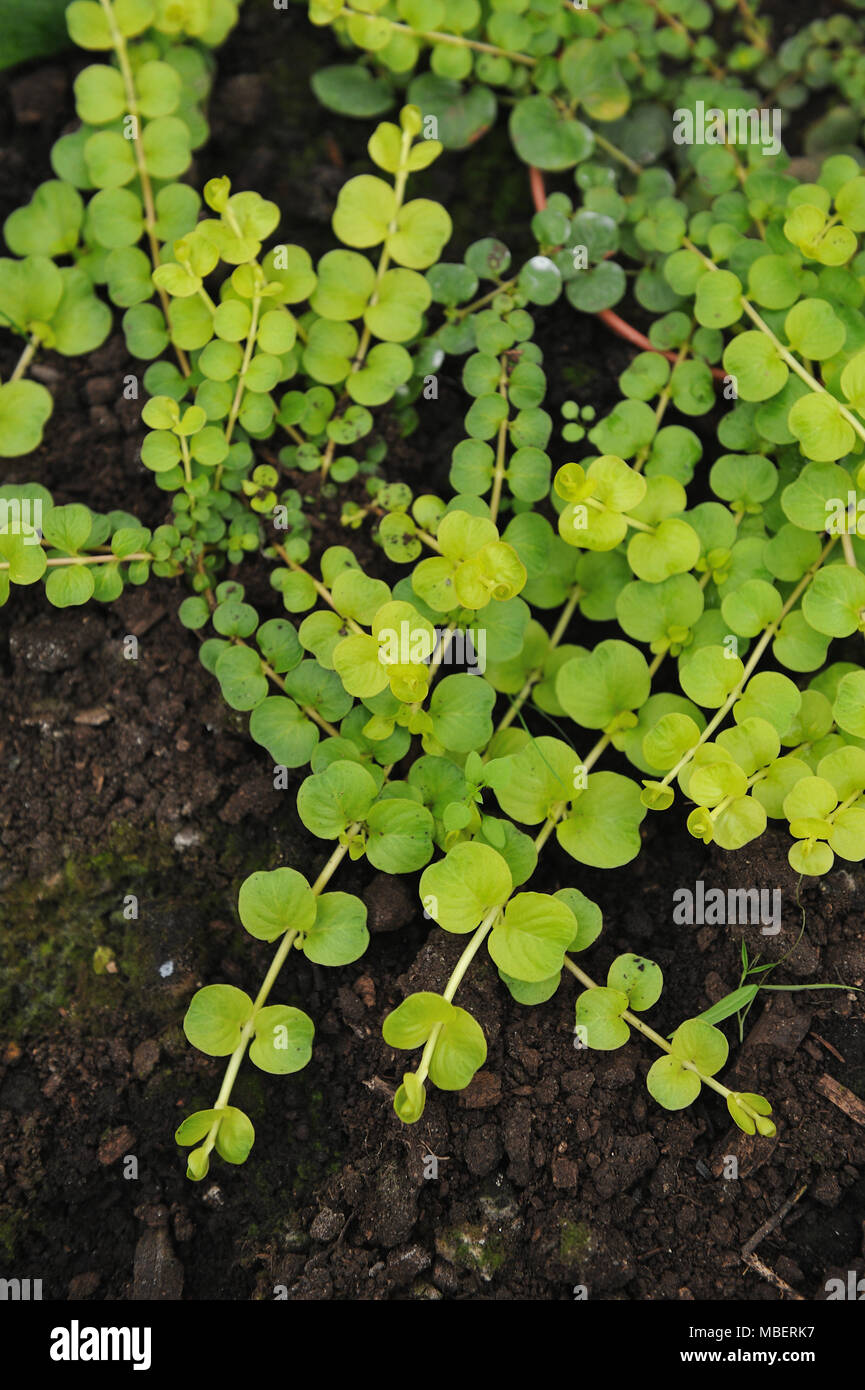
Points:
(283, 1039)
(596, 688)
(24, 408)
(640, 979)
(754, 362)
(603, 827)
(284, 730)
(69, 587)
(339, 933)
(530, 940)
(215, 1019)
(330, 801)
(834, 602)
(352, 90)
(849, 706)
(400, 836)
(599, 1018)
(459, 890)
(672, 1084)
(547, 137)
(275, 901)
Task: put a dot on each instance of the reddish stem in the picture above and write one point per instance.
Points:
(618, 325)
(539, 192)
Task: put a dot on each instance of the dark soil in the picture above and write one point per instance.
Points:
(129, 787)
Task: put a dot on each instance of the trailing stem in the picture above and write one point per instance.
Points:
(121, 51)
(261, 998)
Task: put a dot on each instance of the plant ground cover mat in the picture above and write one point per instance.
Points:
(415, 768)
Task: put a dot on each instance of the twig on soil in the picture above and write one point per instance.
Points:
(768, 1226)
(766, 1273)
(376, 1084)
(828, 1046)
(844, 1099)
(341, 1237)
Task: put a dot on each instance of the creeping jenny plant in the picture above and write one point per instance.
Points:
(725, 564)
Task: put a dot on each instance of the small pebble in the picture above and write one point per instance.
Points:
(115, 1144)
(145, 1058)
(327, 1225)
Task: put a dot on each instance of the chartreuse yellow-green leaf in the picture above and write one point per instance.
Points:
(696, 1049)
(459, 890)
